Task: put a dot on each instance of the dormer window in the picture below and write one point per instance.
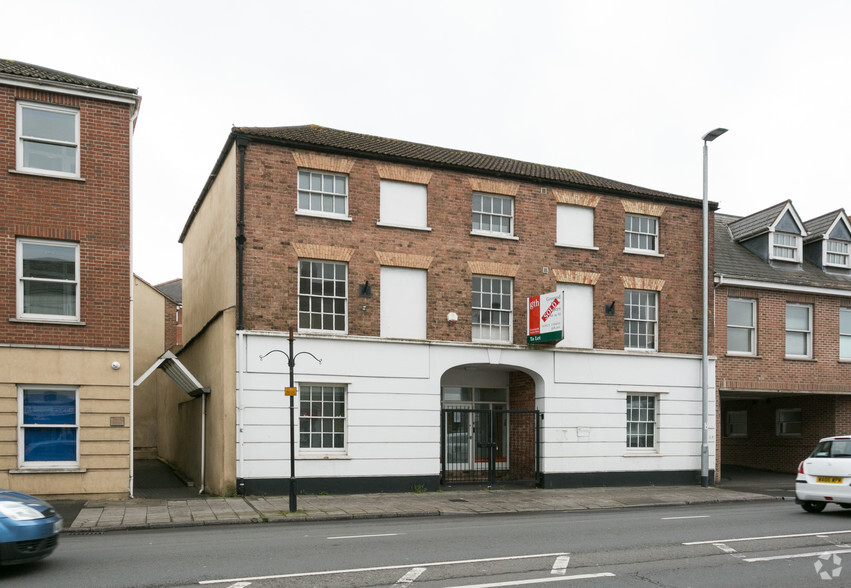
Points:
(836, 254)
(786, 247)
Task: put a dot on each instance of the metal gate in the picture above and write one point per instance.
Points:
(489, 445)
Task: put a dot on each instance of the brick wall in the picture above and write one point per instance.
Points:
(817, 386)
(272, 230)
(94, 212)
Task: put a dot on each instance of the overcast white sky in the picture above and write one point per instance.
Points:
(623, 90)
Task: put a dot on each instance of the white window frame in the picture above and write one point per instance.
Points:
(652, 322)
(486, 210)
(575, 227)
(750, 328)
(842, 255)
(307, 300)
(736, 424)
(808, 332)
(403, 205)
(22, 139)
(310, 193)
(633, 233)
(22, 428)
(20, 280)
(788, 419)
(306, 389)
(845, 334)
(641, 433)
(785, 242)
(479, 324)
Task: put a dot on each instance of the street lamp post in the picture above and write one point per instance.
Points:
(290, 391)
(704, 365)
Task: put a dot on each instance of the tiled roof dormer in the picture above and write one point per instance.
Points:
(828, 242)
(775, 234)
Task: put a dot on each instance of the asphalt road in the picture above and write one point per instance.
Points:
(754, 544)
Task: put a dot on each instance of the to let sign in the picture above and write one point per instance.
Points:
(545, 318)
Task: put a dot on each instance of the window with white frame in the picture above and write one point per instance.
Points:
(574, 226)
(789, 422)
(322, 417)
(640, 313)
(323, 192)
(786, 246)
(845, 333)
(836, 253)
(48, 423)
(48, 280)
(493, 215)
(322, 295)
(492, 309)
(799, 330)
(48, 139)
(403, 302)
(641, 421)
(737, 423)
(404, 204)
(741, 326)
(578, 315)
(641, 233)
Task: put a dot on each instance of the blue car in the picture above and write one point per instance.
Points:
(29, 528)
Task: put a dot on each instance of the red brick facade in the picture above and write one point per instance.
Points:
(769, 381)
(93, 211)
(273, 231)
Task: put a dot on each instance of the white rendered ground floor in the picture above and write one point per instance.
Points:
(387, 415)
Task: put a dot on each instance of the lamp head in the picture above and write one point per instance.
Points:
(714, 134)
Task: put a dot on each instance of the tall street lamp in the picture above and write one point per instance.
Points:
(704, 444)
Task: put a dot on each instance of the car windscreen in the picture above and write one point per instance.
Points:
(836, 448)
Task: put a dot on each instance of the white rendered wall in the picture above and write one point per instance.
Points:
(393, 405)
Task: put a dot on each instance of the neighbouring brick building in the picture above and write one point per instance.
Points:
(65, 348)
(783, 312)
(406, 269)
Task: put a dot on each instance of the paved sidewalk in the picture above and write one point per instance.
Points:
(153, 513)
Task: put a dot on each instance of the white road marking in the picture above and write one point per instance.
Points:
(384, 568)
(410, 576)
(724, 548)
(240, 585)
(681, 518)
(832, 540)
(560, 565)
(796, 555)
(539, 580)
(735, 540)
(364, 536)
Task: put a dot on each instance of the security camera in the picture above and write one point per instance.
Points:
(115, 365)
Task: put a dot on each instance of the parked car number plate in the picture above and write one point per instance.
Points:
(828, 480)
(57, 526)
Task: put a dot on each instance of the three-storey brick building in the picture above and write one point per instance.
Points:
(406, 269)
(65, 361)
(783, 311)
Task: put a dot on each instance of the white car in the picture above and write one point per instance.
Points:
(825, 476)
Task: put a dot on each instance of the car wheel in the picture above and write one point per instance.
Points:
(813, 506)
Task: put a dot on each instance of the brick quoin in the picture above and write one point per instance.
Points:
(271, 271)
(94, 213)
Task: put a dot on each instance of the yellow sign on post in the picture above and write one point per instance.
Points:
(289, 391)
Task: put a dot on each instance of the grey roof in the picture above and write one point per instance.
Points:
(817, 227)
(322, 138)
(733, 261)
(10, 67)
(172, 289)
(756, 223)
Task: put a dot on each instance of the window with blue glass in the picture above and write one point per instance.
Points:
(49, 427)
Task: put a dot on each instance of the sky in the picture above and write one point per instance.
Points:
(620, 89)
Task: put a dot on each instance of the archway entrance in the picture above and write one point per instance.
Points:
(490, 429)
